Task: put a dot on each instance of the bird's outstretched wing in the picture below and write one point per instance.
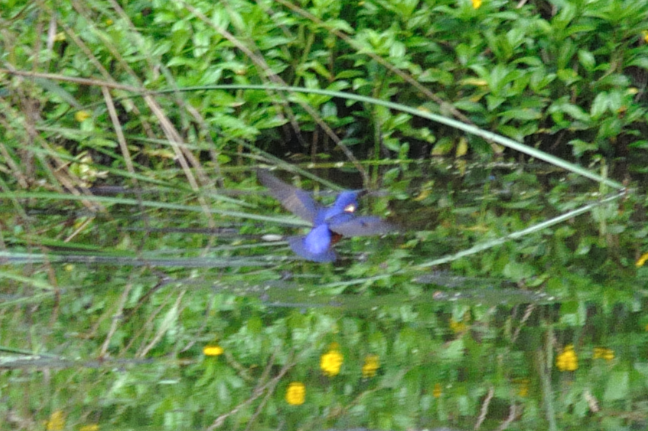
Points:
(360, 226)
(292, 198)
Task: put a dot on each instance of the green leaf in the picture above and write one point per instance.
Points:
(580, 147)
(521, 114)
(643, 144)
(437, 75)
(586, 59)
(639, 62)
(613, 80)
(220, 18)
(54, 88)
(201, 43)
(511, 131)
(338, 24)
(346, 74)
(454, 351)
(397, 50)
(519, 271)
(443, 147)
(469, 106)
(575, 112)
(568, 76)
(617, 387)
(599, 105)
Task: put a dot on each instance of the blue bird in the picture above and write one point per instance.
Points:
(329, 223)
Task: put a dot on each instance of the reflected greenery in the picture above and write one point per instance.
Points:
(546, 331)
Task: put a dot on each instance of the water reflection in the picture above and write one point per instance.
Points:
(110, 319)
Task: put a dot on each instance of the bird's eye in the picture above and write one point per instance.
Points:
(350, 208)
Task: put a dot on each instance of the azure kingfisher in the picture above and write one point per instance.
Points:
(329, 223)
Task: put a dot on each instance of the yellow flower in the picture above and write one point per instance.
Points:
(331, 362)
(424, 194)
(437, 392)
(56, 421)
(215, 350)
(603, 353)
(457, 327)
(523, 387)
(109, 22)
(295, 394)
(567, 359)
(372, 363)
(640, 262)
(81, 116)
(476, 4)
(645, 35)
(93, 427)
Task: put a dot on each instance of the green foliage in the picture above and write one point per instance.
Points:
(565, 75)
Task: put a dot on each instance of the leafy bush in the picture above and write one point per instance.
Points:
(568, 76)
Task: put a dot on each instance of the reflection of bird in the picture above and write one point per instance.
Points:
(329, 223)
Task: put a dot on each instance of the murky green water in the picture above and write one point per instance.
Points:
(137, 310)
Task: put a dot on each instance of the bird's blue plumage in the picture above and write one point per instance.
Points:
(329, 223)
(318, 240)
(297, 245)
(346, 202)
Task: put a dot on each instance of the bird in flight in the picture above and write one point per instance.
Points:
(330, 224)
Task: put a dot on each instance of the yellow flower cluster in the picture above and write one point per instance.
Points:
(458, 327)
(476, 4)
(371, 365)
(296, 394)
(56, 421)
(331, 361)
(81, 116)
(523, 387)
(437, 391)
(642, 259)
(603, 353)
(567, 359)
(214, 350)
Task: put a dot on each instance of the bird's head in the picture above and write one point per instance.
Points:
(346, 202)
